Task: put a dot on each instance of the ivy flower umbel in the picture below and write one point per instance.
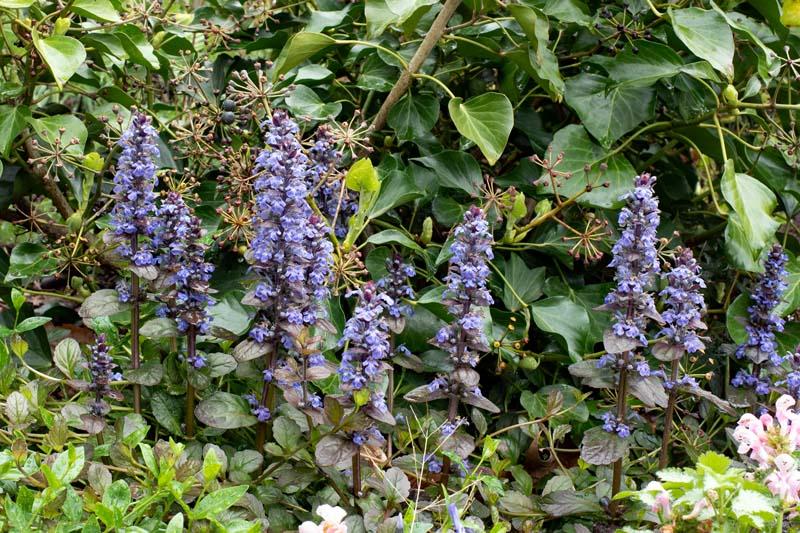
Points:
(181, 256)
(636, 263)
(134, 184)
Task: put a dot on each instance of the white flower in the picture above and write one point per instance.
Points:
(332, 518)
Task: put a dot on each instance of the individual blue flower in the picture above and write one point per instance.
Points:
(256, 409)
(636, 262)
(134, 184)
(180, 255)
(611, 424)
(467, 290)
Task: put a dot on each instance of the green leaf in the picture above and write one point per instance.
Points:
(32, 323)
(12, 122)
(28, 260)
(600, 447)
(397, 188)
(580, 151)
(362, 177)
(485, 120)
(455, 170)
(117, 496)
(101, 10)
(243, 463)
(67, 357)
(396, 236)
(736, 318)
(167, 411)
(63, 55)
(652, 62)
(707, 35)
(304, 102)
(414, 116)
(543, 62)
(526, 282)
(286, 432)
(565, 318)
(380, 14)
(49, 129)
(229, 315)
(104, 302)
(715, 462)
(791, 297)
(16, 4)
(159, 328)
(175, 525)
(751, 226)
(223, 410)
(298, 48)
(214, 503)
(608, 112)
(136, 45)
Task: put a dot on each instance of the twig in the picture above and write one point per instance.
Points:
(426, 46)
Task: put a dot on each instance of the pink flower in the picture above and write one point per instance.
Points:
(661, 503)
(765, 438)
(331, 521)
(784, 481)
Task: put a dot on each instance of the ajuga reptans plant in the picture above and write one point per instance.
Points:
(131, 218)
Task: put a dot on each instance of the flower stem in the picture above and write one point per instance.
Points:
(452, 411)
(191, 352)
(622, 407)
(357, 474)
(137, 390)
(673, 396)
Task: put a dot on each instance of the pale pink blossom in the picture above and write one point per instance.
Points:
(332, 521)
(765, 438)
(661, 502)
(784, 481)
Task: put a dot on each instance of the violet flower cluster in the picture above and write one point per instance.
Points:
(366, 342)
(396, 285)
(760, 346)
(134, 184)
(466, 290)
(290, 250)
(102, 370)
(636, 262)
(334, 199)
(181, 256)
(611, 424)
(685, 305)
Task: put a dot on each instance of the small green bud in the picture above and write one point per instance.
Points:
(61, 26)
(730, 95)
(427, 231)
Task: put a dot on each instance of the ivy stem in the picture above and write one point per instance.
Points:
(135, 361)
(191, 352)
(673, 396)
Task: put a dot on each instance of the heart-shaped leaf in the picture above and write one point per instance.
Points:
(485, 120)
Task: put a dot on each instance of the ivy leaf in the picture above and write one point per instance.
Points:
(651, 62)
(455, 170)
(608, 112)
(485, 120)
(136, 45)
(599, 447)
(736, 318)
(362, 177)
(101, 10)
(414, 116)
(543, 62)
(791, 297)
(16, 4)
(393, 235)
(298, 48)
(706, 34)
(63, 55)
(223, 410)
(12, 122)
(751, 226)
(381, 14)
(304, 102)
(49, 129)
(565, 318)
(526, 282)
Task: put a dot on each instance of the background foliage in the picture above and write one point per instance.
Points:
(541, 112)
